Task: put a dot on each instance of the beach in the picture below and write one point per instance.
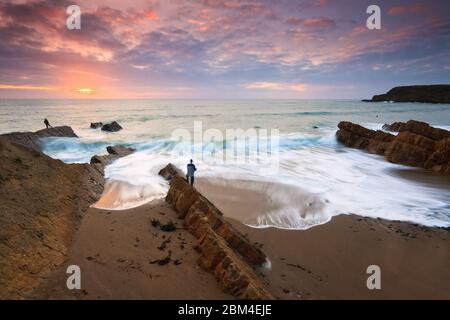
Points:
(115, 250)
(308, 228)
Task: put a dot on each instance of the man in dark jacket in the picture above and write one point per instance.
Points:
(47, 124)
(190, 172)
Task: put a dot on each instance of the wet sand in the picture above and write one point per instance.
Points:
(330, 261)
(115, 251)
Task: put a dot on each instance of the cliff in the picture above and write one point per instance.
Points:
(223, 250)
(42, 201)
(418, 144)
(31, 139)
(425, 93)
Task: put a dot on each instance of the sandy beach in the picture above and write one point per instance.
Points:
(117, 250)
(330, 261)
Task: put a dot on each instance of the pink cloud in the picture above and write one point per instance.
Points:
(415, 8)
(319, 23)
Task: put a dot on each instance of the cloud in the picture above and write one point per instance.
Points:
(278, 86)
(215, 45)
(26, 87)
(318, 23)
(414, 8)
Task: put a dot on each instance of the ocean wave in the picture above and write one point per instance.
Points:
(315, 179)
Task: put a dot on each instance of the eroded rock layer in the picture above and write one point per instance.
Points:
(31, 140)
(418, 144)
(42, 201)
(223, 250)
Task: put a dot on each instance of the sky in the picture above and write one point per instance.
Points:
(221, 49)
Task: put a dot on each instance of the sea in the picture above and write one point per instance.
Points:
(295, 150)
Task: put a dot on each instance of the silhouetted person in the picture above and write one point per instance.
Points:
(190, 172)
(47, 124)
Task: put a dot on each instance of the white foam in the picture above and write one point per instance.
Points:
(331, 179)
(334, 181)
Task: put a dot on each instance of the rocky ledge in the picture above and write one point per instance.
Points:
(417, 143)
(223, 250)
(426, 94)
(42, 201)
(31, 140)
(114, 153)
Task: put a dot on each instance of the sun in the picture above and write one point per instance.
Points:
(85, 91)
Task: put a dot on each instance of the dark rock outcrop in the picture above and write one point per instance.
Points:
(112, 127)
(425, 93)
(170, 171)
(223, 250)
(418, 144)
(420, 128)
(356, 136)
(114, 153)
(31, 140)
(394, 127)
(96, 125)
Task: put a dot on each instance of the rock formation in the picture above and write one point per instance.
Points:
(32, 139)
(356, 136)
(114, 152)
(41, 204)
(420, 128)
(426, 94)
(170, 171)
(418, 144)
(42, 201)
(112, 127)
(96, 125)
(223, 250)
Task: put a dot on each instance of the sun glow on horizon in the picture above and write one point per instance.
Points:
(85, 91)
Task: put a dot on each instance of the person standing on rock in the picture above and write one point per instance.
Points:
(47, 124)
(190, 172)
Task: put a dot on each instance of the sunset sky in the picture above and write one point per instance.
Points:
(220, 48)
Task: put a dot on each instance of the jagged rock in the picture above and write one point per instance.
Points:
(410, 149)
(112, 127)
(236, 277)
(120, 150)
(420, 128)
(31, 139)
(96, 125)
(418, 144)
(426, 94)
(356, 136)
(439, 161)
(114, 153)
(223, 250)
(169, 171)
(203, 211)
(181, 195)
(394, 127)
(41, 204)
